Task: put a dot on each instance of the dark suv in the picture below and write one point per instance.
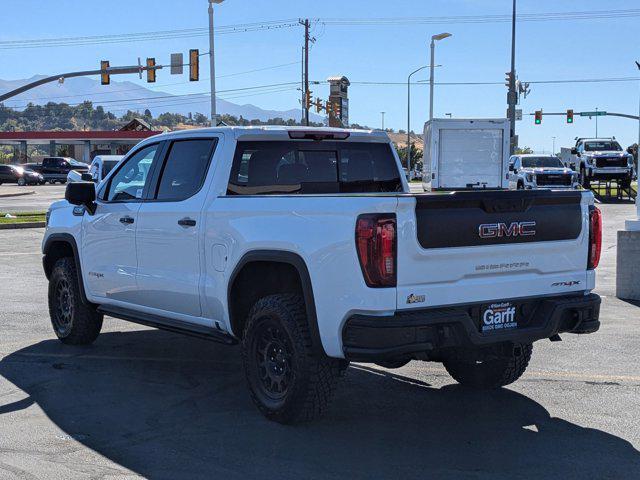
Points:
(19, 175)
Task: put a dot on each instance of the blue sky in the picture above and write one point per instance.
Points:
(550, 50)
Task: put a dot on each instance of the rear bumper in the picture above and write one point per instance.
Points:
(433, 331)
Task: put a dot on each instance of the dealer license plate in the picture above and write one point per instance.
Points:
(498, 317)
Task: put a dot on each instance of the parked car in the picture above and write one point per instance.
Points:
(306, 246)
(19, 175)
(599, 159)
(530, 171)
(56, 169)
(98, 170)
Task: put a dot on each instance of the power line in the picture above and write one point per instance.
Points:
(144, 36)
(524, 17)
(291, 23)
(577, 80)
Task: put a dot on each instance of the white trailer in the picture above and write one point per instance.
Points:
(466, 154)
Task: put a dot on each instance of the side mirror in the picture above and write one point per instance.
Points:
(511, 169)
(83, 194)
(86, 177)
(574, 151)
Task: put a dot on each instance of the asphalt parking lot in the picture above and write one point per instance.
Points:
(30, 198)
(146, 403)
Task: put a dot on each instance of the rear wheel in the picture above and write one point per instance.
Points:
(288, 381)
(74, 321)
(494, 373)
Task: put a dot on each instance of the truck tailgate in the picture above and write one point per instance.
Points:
(466, 247)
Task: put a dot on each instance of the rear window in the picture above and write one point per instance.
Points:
(290, 167)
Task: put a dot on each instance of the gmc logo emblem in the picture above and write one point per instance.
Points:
(514, 229)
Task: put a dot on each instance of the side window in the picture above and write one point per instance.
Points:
(185, 169)
(130, 180)
(366, 168)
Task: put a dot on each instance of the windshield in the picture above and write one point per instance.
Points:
(76, 163)
(541, 162)
(606, 145)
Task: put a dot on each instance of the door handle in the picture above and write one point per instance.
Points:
(187, 222)
(127, 220)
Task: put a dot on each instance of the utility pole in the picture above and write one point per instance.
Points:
(382, 113)
(212, 64)
(512, 95)
(306, 70)
(596, 122)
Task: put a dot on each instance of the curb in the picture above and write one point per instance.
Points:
(19, 194)
(14, 226)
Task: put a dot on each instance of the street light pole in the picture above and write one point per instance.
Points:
(440, 36)
(553, 149)
(512, 94)
(409, 115)
(212, 64)
(383, 120)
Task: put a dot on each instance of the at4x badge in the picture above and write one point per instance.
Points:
(413, 298)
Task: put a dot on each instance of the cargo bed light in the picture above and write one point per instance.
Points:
(317, 135)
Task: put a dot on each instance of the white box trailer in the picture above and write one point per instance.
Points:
(466, 154)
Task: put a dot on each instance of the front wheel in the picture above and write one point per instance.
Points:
(494, 373)
(22, 182)
(74, 321)
(288, 381)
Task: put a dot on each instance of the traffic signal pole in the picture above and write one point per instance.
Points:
(306, 71)
(85, 73)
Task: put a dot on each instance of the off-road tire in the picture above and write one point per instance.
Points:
(278, 323)
(74, 321)
(490, 374)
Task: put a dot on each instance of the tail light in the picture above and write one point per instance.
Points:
(595, 237)
(377, 245)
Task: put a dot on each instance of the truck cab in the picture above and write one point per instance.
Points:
(599, 159)
(531, 171)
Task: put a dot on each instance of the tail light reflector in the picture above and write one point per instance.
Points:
(595, 237)
(376, 244)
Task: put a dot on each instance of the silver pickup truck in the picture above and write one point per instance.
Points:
(599, 159)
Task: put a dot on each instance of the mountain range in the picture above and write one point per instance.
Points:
(118, 97)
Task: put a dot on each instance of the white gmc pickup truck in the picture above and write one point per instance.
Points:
(305, 246)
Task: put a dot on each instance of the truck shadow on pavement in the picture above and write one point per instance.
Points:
(167, 406)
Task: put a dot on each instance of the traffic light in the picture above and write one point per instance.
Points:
(538, 119)
(105, 78)
(337, 110)
(328, 106)
(307, 99)
(194, 65)
(318, 105)
(151, 70)
(569, 116)
(507, 79)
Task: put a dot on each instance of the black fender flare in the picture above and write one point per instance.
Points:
(296, 261)
(71, 241)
